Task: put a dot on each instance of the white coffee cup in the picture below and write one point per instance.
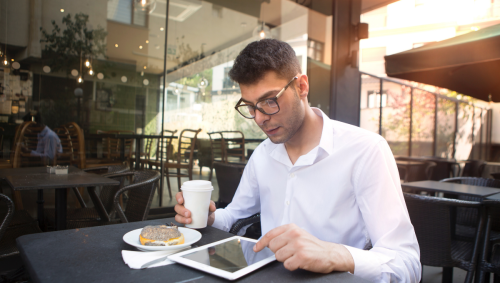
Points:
(197, 195)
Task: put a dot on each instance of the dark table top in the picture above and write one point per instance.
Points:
(35, 178)
(451, 188)
(94, 255)
(31, 170)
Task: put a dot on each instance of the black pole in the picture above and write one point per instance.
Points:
(411, 122)
(434, 144)
(380, 109)
(164, 95)
(456, 130)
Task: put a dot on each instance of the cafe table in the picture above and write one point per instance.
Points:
(37, 178)
(94, 255)
(450, 188)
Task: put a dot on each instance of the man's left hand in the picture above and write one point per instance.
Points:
(298, 249)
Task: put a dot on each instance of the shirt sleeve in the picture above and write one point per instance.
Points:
(245, 203)
(395, 256)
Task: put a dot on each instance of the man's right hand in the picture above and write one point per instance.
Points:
(184, 215)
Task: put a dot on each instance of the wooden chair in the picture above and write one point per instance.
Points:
(145, 157)
(185, 156)
(112, 146)
(234, 146)
(164, 153)
(217, 148)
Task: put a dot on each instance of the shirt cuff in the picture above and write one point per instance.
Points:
(366, 264)
(219, 222)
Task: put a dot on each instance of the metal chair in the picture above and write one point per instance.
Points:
(432, 219)
(140, 194)
(14, 224)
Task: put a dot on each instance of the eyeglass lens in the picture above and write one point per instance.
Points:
(269, 106)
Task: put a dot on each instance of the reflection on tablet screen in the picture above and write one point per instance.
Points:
(230, 256)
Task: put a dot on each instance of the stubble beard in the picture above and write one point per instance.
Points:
(293, 125)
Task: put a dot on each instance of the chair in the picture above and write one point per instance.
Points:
(140, 195)
(88, 217)
(466, 217)
(228, 177)
(145, 157)
(490, 254)
(217, 150)
(14, 224)
(473, 168)
(163, 155)
(416, 173)
(234, 146)
(432, 220)
(496, 176)
(185, 150)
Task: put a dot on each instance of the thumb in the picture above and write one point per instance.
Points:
(212, 207)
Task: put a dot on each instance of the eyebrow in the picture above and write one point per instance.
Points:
(264, 96)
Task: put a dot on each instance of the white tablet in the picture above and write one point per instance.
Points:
(230, 258)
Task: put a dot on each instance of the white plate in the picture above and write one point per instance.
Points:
(190, 237)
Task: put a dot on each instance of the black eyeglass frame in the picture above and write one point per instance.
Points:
(275, 99)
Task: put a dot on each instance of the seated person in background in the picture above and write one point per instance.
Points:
(48, 144)
(328, 193)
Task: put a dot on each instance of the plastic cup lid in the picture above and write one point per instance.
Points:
(197, 185)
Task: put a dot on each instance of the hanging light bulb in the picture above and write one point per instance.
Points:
(5, 61)
(91, 72)
(80, 79)
(87, 63)
(145, 5)
(262, 31)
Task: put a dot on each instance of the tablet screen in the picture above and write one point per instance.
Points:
(230, 256)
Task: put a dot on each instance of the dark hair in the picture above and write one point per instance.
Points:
(260, 57)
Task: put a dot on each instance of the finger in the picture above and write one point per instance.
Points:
(264, 241)
(285, 253)
(179, 198)
(212, 207)
(181, 219)
(292, 263)
(180, 209)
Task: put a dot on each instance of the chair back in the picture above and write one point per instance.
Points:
(140, 195)
(467, 216)
(473, 168)
(186, 145)
(112, 146)
(432, 220)
(164, 150)
(67, 155)
(217, 147)
(234, 146)
(75, 134)
(228, 179)
(6, 215)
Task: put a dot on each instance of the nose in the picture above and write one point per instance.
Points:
(261, 118)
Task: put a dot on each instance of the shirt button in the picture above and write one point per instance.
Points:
(287, 203)
(292, 175)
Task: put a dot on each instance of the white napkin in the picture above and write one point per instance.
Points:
(136, 259)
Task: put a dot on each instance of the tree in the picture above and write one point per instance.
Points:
(65, 48)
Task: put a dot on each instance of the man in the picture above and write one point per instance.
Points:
(325, 190)
(48, 144)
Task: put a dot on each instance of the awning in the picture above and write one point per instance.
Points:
(468, 64)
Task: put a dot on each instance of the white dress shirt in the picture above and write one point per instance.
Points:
(346, 190)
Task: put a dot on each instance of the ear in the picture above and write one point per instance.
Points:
(303, 86)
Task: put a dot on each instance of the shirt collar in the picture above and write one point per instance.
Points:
(278, 151)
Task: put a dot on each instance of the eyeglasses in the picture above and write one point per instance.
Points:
(268, 106)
